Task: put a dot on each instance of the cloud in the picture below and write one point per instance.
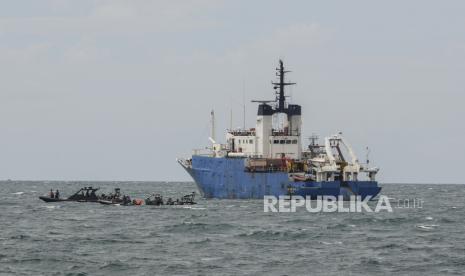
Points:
(280, 42)
(115, 17)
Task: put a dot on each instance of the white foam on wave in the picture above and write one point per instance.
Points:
(427, 226)
(193, 208)
(211, 259)
(52, 207)
(331, 243)
(17, 193)
(429, 218)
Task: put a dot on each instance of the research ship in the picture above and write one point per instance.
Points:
(269, 159)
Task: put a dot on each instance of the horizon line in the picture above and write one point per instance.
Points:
(190, 181)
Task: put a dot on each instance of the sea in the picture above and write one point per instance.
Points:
(226, 237)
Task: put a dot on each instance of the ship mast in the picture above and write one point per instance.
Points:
(281, 99)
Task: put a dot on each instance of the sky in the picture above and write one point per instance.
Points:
(117, 90)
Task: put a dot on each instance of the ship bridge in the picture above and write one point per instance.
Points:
(264, 141)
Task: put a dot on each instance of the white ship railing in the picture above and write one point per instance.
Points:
(202, 152)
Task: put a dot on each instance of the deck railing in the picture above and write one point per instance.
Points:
(202, 152)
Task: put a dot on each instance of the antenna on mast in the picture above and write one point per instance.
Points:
(368, 156)
(243, 101)
(231, 120)
(212, 137)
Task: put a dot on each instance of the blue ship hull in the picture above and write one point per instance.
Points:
(227, 178)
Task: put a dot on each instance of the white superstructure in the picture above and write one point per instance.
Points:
(264, 142)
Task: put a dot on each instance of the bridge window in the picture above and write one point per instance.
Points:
(250, 141)
(294, 141)
(276, 142)
(288, 141)
(282, 142)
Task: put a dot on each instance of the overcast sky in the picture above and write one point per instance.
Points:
(116, 90)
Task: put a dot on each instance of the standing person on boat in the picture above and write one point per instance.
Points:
(92, 194)
(51, 193)
(126, 199)
(57, 194)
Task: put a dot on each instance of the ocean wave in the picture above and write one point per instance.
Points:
(197, 226)
(150, 234)
(202, 241)
(371, 261)
(117, 264)
(270, 234)
(194, 208)
(20, 237)
(211, 259)
(330, 243)
(109, 241)
(447, 220)
(340, 226)
(391, 221)
(25, 260)
(388, 246)
(76, 274)
(426, 226)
